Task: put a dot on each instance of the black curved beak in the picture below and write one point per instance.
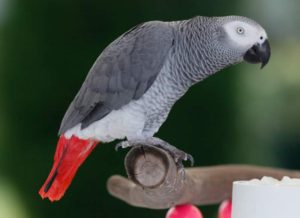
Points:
(259, 53)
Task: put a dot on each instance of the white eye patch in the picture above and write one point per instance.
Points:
(243, 34)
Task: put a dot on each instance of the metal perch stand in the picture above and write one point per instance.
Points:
(156, 182)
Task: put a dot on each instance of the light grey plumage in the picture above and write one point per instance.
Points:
(123, 72)
(148, 68)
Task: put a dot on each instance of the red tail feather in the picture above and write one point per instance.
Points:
(69, 155)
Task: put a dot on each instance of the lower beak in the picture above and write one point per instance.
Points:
(259, 53)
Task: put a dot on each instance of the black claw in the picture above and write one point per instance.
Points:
(186, 157)
(191, 159)
(118, 146)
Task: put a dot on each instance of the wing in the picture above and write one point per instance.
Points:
(123, 72)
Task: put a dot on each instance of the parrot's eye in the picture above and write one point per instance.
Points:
(240, 30)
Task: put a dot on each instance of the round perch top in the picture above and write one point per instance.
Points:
(147, 167)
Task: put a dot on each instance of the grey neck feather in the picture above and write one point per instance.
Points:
(198, 51)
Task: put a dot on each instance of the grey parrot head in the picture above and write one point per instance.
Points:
(244, 38)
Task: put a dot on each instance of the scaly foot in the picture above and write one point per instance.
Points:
(177, 154)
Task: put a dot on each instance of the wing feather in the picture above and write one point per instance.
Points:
(124, 71)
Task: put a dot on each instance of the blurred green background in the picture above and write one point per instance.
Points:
(242, 115)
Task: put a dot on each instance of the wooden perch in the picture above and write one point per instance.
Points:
(155, 181)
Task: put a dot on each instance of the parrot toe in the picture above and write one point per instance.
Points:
(178, 155)
(123, 145)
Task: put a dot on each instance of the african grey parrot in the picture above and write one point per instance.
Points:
(131, 88)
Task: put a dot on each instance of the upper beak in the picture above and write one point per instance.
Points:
(259, 53)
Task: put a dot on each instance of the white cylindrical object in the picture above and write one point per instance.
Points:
(266, 198)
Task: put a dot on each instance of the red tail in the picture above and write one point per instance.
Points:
(69, 155)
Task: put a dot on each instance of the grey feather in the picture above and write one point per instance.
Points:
(150, 67)
(124, 71)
